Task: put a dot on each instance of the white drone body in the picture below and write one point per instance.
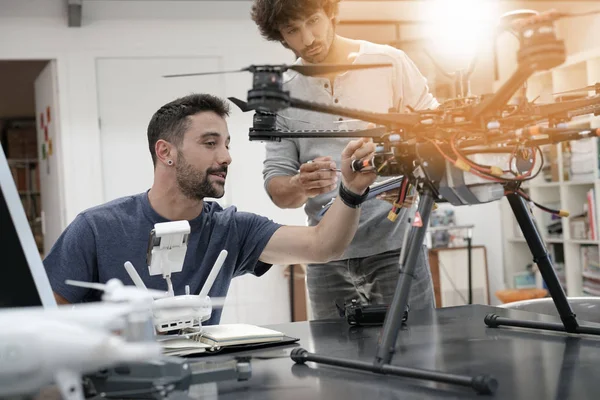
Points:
(41, 346)
(166, 253)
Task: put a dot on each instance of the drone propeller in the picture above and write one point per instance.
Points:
(307, 70)
(114, 290)
(244, 107)
(315, 70)
(595, 87)
(395, 119)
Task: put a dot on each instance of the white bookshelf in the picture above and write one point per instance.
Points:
(562, 191)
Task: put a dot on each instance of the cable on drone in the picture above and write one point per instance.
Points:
(560, 213)
(399, 203)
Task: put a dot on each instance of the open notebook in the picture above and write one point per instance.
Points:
(217, 337)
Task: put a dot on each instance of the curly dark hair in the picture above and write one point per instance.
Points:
(270, 15)
(171, 120)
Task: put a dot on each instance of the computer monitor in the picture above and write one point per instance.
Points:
(23, 279)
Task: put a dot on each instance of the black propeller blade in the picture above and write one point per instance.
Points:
(403, 120)
(207, 73)
(242, 105)
(315, 70)
(307, 70)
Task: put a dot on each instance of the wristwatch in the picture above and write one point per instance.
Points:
(352, 199)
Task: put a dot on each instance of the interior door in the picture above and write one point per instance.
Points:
(49, 154)
(130, 90)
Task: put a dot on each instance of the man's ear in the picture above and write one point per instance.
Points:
(165, 152)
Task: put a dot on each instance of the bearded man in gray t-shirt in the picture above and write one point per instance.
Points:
(188, 140)
(368, 271)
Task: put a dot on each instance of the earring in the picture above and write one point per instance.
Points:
(170, 162)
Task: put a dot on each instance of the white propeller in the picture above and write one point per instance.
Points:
(115, 291)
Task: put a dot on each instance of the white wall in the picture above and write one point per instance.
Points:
(37, 29)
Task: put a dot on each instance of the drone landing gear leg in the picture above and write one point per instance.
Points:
(544, 263)
(393, 322)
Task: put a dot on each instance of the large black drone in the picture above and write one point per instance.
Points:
(436, 147)
(435, 152)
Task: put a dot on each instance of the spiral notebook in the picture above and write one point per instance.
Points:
(215, 338)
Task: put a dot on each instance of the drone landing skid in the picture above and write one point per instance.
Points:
(482, 384)
(544, 263)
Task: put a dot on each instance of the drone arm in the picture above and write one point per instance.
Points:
(393, 119)
(492, 104)
(571, 107)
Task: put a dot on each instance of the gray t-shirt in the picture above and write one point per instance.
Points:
(100, 240)
(376, 90)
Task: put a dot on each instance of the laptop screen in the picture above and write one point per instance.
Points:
(23, 279)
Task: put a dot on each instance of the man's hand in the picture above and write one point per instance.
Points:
(361, 149)
(331, 236)
(316, 177)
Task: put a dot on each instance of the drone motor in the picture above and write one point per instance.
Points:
(267, 92)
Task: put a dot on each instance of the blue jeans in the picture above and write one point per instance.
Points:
(370, 280)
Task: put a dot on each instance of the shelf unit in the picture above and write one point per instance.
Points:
(559, 187)
(18, 137)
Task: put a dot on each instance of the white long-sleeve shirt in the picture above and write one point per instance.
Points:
(376, 90)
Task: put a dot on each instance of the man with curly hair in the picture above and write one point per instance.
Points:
(296, 171)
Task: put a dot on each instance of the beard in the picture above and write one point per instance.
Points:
(196, 185)
(325, 48)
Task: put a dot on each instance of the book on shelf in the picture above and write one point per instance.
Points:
(590, 269)
(556, 253)
(592, 215)
(583, 159)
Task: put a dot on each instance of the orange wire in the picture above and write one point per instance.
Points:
(454, 162)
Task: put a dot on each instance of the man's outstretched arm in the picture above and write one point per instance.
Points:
(327, 240)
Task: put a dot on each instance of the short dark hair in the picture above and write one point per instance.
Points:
(269, 15)
(171, 120)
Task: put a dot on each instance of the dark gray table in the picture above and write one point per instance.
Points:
(527, 364)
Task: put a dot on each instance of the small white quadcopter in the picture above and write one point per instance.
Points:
(167, 247)
(41, 346)
(166, 253)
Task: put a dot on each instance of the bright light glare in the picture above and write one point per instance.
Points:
(460, 26)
